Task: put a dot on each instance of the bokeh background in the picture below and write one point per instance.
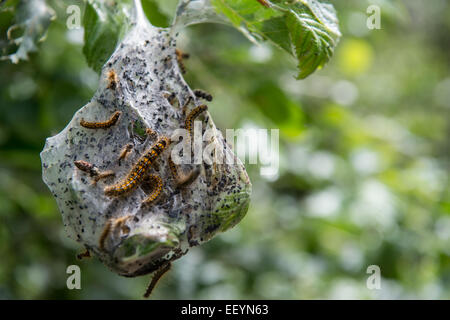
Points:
(364, 164)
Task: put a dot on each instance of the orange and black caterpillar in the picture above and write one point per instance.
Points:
(203, 94)
(180, 56)
(157, 185)
(102, 125)
(193, 115)
(158, 274)
(137, 173)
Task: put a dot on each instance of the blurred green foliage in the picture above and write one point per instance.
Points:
(364, 164)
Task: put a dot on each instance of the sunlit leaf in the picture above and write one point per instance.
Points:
(306, 29)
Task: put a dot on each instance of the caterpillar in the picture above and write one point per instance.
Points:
(93, 171)
(189, 178)
(203, 94)
(85, 254)
(137, 173)
(173, 168)
(103, 175)
(157, 185)
(101, 125)
(182, 180)
(193, 115)
(185, 106)
(170, 97)
(180, 56)
(151, 132)
(158, 274)
(113, 225)
(105, 233)
(87, 167)
(125, 151)
(112, 80)
(119, 225)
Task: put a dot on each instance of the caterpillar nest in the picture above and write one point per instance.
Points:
(113, 173)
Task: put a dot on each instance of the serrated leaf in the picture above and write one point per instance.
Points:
(191, 12)
(306, 29)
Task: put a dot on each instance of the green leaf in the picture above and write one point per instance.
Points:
(154, 13)
(306, 29)
(105, 22)
(285, 113)
(31, 21)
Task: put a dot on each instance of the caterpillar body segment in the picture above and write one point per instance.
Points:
(189, 122)
(157, 185)
(203, 95)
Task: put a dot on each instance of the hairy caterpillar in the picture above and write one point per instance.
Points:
(136, 174)
(102, 125)
(170, 97)
(185, 106)
(158, 274)
(203, 94)
(93, 171)
(125, 151)
(103, 175)
(85, 254)
(113, 225)
(112, 80)
(151, 132)
(193, 115)
(119, 225)
(157, 186)
(189, 178)
(105, 233)
(182, 180)
(180, 56)
(87, 167)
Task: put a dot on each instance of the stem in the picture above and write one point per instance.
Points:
(140, 15)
